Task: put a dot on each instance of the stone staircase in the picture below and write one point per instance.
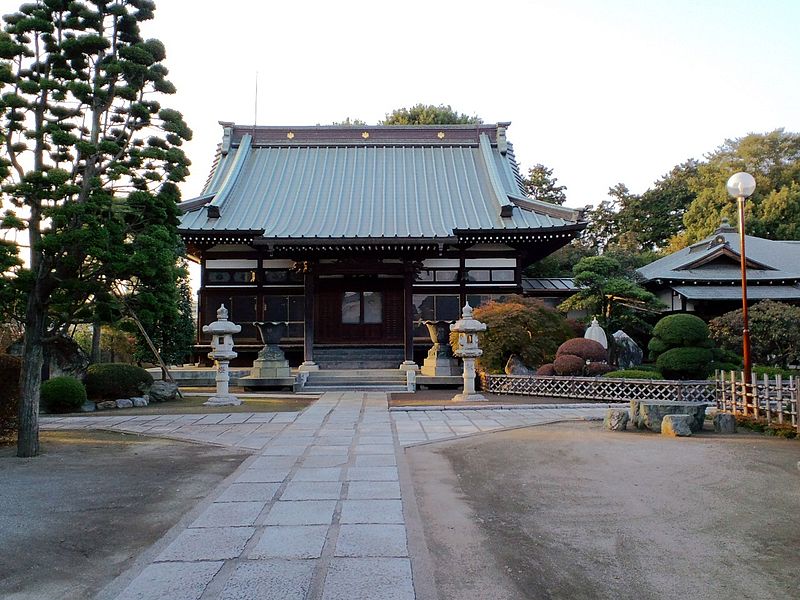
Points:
(358, 357)
(326, 380)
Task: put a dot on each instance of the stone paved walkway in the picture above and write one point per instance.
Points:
(317, 513)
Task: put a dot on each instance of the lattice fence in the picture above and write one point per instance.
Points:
(771, 400)
(601, 388)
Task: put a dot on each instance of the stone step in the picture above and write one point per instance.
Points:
(358, 364)
(354, 373)
(354, 388)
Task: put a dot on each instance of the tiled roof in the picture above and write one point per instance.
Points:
(368, 182)
(734, 292)
(548, 284)
(769, 260)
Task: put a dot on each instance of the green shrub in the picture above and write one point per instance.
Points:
(9, 396)
(109, 381)
(681, 330)
(773, 371)
(685, 363)
(645, 367)
(634, 374)
(723, 366)
(62, 394)
(569, 364)
(656, 347)
(583, 348)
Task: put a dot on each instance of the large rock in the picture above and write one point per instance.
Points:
(628, 352)
(139, 401)
(106, 405)
(648, 414)
(724, 423)
(163, 391)
(515, 366)
(616, 419)
(67, 358)
(124, 403)
(677, 425)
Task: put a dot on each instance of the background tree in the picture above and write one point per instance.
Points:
(774, 332)
(774, 160)
(541, 185)
(92, 165)
(428, 114)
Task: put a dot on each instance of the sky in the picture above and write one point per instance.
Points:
(602, 91)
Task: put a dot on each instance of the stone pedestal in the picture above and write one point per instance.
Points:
(222, 397)
(677, 425)
(648, 414)
(270, 369)
(440, 361)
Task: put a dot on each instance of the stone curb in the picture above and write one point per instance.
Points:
(506, 407)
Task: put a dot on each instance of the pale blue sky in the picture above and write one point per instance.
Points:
(601, 91)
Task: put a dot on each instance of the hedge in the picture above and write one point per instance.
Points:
(110, 381)
(62, 394)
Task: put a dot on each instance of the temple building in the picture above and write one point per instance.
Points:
(356, 235)
(706, 277)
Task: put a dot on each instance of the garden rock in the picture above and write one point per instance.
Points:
(629, 354)
(106, 405)
(515, 366)
(724, 423)
(139, 402)
(67, 358)
(616, 420)
(677, 425)
(163, 391)
(648, 414)
(124, 403)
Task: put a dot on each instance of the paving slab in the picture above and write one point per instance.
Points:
(371, 540)
(172, 581)
(212, 543)
(369, 579)
(290, 541)
(372, 511)
(269, 580)
(304, 512)
(229, 514)
(373, 490)
(249, 492)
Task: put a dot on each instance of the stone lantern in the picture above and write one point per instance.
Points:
(467, 328)
(222, 353)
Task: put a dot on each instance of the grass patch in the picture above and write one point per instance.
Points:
(774, 429)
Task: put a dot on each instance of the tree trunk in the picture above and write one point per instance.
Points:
(30, 379)
(94, 356)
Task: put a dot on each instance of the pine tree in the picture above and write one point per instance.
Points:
(93, 160)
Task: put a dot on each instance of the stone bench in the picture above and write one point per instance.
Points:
(648, 414)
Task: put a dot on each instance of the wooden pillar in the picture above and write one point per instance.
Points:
(309, 297)
(408, 318)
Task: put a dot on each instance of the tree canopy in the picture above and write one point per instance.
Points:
(428, 114)
(91, 164)
(541, 185)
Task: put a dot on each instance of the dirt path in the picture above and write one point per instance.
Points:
(73, 518)
(573, 512)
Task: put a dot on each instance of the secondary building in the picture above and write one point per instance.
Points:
(706, 279)
(356, 235)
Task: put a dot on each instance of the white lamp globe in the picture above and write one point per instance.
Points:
(741, 185)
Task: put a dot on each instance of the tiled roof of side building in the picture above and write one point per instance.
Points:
(368, 182)
(768, 260)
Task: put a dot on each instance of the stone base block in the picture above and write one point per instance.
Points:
(270, 369)
(440, 367)
(677, 425)
(724, 423)
(409, 365)
(470, 398)
(308, 365)
(616, 420)
(229, 400)
(254, 383)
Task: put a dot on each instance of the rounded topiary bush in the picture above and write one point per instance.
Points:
(547, 370)
(685, 363)
(681, 330)
(583, 348)
(110, 381)
(634, 374)
(597, 368)
(569, 364)
(9, 395)
(62, 394)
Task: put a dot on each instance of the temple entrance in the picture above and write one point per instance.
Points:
(359, 311)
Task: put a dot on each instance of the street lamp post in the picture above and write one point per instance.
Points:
(741, 186)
